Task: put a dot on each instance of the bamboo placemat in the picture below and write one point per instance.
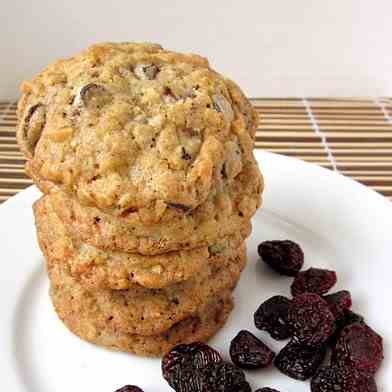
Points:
(351, 136)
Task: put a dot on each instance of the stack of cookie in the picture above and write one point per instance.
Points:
(145, 160)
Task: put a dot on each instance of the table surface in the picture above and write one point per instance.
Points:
(351, 136)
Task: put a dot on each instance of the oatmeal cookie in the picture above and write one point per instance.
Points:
(132, 127)
(95, 268)
(144, 311)
(227, 212)
(198, 327)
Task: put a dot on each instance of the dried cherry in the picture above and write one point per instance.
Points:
(298, 361)
(311, 320)
(223, 377)
(339, 302)
(180, 365)
(348, 317)
(272, 316)
(249, 352)
(342, 379)
(313, 280)
(129, 388)
(285, 257)
(266, 390)
(359, 347)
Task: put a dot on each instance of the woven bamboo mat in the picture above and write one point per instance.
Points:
(351, 136)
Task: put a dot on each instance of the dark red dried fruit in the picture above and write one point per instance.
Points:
(129, 388)
(343, 320)
(249, 352)
(298, 361)
(367, 384)
(340, 379)
(267, 390)
(359, 347)
(285, 257)
(223, 377)
(310, 319)
(313, 280)
(272, 316)
(180, 365)
(349, 317)
(339, 302)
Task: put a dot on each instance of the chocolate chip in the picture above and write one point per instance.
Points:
(185, 155)
(223, 170)
(33, 124)
(90, 94)
(146, 71)
(168, 96)
(222, 105)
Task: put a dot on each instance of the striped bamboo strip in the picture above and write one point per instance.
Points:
(8, 128)
(343, 136)
(373, 123)
(345, 153)
(284, 116)
(383, 166)
(11, 154)
(8, 138)
(15, 181)
(336, 145)
(7, 159)
(12, 166)
(370, 172)
(375, 179)
(9, 147)
(319, 111)
(365, 159)
(10, 191)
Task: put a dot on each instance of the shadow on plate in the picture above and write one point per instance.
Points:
(22, 333)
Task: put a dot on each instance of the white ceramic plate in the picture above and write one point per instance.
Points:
(339, 223)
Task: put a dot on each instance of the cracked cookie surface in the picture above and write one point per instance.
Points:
(132, 127)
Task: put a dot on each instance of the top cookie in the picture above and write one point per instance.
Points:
(133, 127)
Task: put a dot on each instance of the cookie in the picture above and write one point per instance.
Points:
(133, 127)
(198, 327)
(227, 212)
(149, 311)
(97, 269)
